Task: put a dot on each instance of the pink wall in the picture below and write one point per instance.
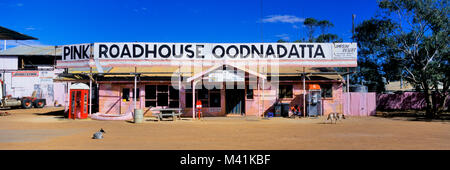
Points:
(251, 105)
(329, 104)
(111, 102)
(60, 94)
(361, 104)
(335, 103)
(403, 101)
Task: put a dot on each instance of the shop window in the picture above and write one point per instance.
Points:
(162, 99)
(285, 91)
(174, 93)
(174, 97)
(214, 99)
(209, 98)
(126, 94)
(150, 92)
(188, 99)
(150, 103)
(249, 91)
(202, 94)
(161, 95)
(132, 94)
(327, 90)
(163, 88)
(150, 95)
(174, 104)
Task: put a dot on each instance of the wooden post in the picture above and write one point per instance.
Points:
(135, 87)
(193, 99)
(259, 96)
(90, 91)
(348, 91)
(263, 89)
(134, 93)
(304, 93)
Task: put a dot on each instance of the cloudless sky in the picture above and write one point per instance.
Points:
(59, 22)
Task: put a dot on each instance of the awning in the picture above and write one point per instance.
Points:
(7, 34)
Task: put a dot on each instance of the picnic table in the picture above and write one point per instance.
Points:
(168, 112)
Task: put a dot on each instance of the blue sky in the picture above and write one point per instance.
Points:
(213, 21)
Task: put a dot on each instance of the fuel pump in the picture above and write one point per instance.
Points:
(198, 106)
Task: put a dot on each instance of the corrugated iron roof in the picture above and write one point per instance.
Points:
(7, 34)
(32, 51)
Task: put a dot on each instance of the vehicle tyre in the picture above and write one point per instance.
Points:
(26, 103)
(39, 104)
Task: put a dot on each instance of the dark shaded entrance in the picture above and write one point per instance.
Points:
(235, 101)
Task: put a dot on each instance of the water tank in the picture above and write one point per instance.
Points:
(358, 88)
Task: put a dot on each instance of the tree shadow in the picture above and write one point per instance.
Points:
(154, 119)
(412, 115)
(328, 123)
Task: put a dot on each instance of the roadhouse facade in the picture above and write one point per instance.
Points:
(228, 78)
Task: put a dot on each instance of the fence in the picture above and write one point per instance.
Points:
(361, 104)
(403, 101)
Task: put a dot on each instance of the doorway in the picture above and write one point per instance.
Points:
(235, 101)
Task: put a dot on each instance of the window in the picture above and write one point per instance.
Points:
(285, 91)
(150, 103)
(214, 100)
(250, 91)
(150, 92)
(188, 99)
(150, 95)
(161, 95)
(202, 94)
(209, 98)
(162, 99)
(174, 97)
(162, 88)
(85, 102)
(137, 92)
(126, 94)
(174, 93)
(327, 90)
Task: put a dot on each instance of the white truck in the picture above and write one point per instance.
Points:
(24, 102)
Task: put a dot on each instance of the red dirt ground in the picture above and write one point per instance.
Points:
(45, 129)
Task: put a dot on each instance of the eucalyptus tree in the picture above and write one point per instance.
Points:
(410, 38)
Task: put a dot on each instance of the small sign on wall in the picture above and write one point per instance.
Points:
(25, 74)
(226, 76)
(214, 109)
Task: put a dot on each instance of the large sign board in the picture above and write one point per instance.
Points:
(329, 54)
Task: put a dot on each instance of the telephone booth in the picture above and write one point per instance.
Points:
(314, 100)
(79, 101)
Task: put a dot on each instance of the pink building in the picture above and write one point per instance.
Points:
(226, 82)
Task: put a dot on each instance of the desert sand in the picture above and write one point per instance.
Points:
(36, 129)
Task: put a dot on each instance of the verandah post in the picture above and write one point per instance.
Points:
(304, 93)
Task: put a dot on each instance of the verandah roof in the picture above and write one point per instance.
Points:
(168, 71)
(7, 34)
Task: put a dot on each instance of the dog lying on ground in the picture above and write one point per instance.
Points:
(99, 134)
(335, 116)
